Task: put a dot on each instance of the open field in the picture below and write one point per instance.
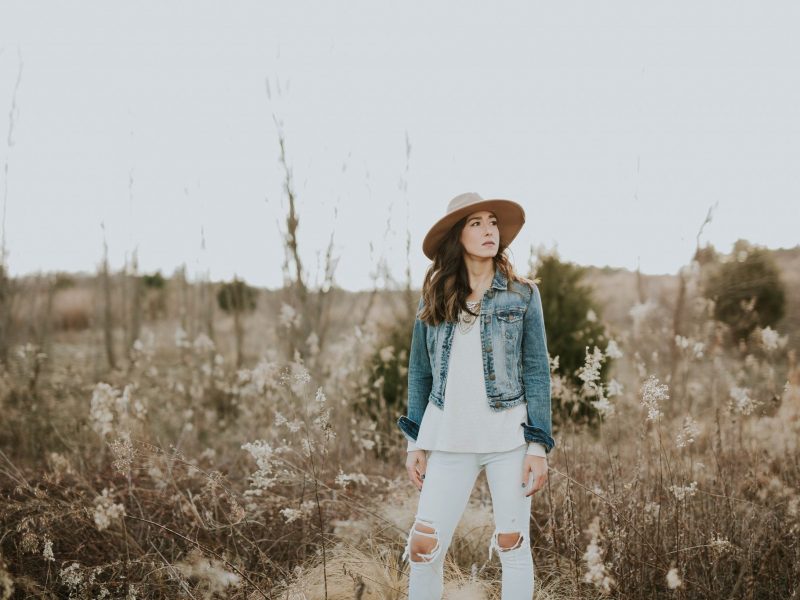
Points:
(178, 473)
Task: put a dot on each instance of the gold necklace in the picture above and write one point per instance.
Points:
(466, 321)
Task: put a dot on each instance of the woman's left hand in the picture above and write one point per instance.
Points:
(538, 466)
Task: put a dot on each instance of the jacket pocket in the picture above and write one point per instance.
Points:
(510, 314)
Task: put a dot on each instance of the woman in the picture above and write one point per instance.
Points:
(478, 393)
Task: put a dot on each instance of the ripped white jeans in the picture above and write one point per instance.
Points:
(448, 483)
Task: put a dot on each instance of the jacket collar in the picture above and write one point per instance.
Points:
(500, 281)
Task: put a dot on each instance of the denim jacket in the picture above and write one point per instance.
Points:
(516, 365)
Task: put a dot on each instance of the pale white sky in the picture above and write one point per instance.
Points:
(616, 124)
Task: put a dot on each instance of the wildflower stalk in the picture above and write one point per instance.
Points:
(204, 549)
(652, 547)
(345, 497)
(315, 479)
(573, 535)
(664, 458)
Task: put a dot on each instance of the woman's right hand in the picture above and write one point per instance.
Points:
(416, 465)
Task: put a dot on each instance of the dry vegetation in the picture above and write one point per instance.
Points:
(177, 474)
(155, 446)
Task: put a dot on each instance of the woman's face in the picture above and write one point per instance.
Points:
(480, 236)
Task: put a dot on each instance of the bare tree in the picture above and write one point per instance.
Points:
(178, 280)
(108, 325)
(313, 308)
(680, 301)
(6, 291)
(411, 304)
(206, 295)
(135, 289)
(6, 285)
(640, 283)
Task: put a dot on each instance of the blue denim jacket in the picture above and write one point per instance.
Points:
(516, 366)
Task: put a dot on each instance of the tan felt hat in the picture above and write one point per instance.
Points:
(510, 218)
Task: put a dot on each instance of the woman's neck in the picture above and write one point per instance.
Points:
(480, 278)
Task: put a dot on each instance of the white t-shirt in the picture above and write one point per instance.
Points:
(467, 424)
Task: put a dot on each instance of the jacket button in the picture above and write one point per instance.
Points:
(491, 375)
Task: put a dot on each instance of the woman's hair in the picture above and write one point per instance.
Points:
(446, 285)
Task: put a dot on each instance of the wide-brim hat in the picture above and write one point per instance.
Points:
(510, 219)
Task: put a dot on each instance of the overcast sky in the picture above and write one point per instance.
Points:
(615, 124)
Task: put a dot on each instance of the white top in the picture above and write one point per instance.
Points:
(467, 423)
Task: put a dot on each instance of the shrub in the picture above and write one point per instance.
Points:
(747, 290)
(155, 281)
(573, 324)
(236, 296)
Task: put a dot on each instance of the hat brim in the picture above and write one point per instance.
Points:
(510, 219)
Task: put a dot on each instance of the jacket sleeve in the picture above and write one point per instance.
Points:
(536, 374)
(420, 379)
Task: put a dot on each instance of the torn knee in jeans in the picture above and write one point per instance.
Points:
(505, 542)
(422, 544)
(508, 541)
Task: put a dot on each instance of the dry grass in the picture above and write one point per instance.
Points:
(181, 476)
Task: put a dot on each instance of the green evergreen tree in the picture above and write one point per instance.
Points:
(237, 298)
(388, 381)
(747, 290)
(572, 323)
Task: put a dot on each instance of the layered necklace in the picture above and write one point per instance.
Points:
(466, 321)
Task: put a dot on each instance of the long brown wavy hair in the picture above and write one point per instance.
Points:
(446, 285)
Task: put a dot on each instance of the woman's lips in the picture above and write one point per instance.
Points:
(487, 244)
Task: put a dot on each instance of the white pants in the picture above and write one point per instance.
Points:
(448, 483)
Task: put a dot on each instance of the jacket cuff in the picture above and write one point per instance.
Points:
(409, 428)
(535, 434)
